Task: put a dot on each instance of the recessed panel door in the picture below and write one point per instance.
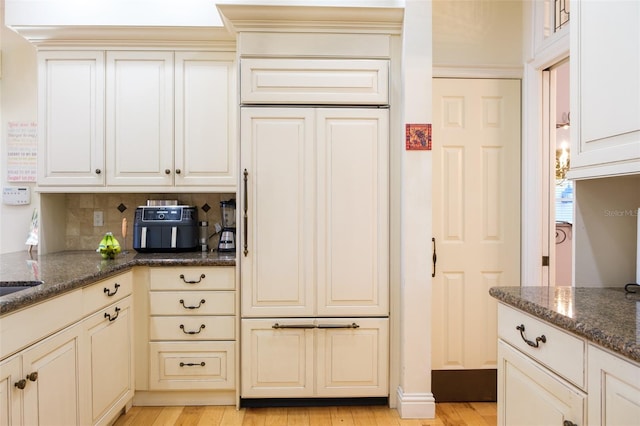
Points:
(476, 215)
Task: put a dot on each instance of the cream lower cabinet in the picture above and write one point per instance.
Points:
(109, 342)
(614, 389)
(192, 328)
(297, 358)
(43, 384)
(541, 380)
(82, 373)
(529, 394)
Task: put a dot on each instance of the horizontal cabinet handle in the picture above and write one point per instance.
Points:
(352, 325)
(112, 293)
(202, 276)
(112, 317)
(276, 326)
(192, 364)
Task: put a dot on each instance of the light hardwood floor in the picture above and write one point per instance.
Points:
(447, 414)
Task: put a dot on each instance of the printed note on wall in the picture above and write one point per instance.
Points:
(22, 151)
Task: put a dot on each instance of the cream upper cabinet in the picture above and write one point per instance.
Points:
(137, 119)
(317, 206)
(314, 81)
(140, 118)
(205, 104)
(71, 118)
(605, 88)
(169, 119)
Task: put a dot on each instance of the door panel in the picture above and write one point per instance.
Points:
(476, 216)
(278, 270)
(352, 212)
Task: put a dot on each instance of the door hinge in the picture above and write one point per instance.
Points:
(545, 260)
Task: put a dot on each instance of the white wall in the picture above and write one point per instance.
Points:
(18, 102)
(477, 33)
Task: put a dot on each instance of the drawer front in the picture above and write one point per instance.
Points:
(192, 302)
(189, 366)
(319, 81)
(561, 352)
(192, 278)
(105, 292)
(192, 328)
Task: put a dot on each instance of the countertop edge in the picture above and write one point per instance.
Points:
(592, 334)
(37, 294)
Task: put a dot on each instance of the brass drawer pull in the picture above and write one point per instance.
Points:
(113, 318)
(533, 344)
(192, 332)
(277, 326)
(191, 282)
(115, 290)
(194, 306)
(352, 325)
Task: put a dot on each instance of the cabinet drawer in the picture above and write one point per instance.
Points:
(192, 278)
(561, 352)
(192, 302)
(188, 366)
(319, 81)
(105, 292)
(192, 328)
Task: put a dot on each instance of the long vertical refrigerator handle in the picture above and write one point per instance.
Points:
(434, 257)
(246, 217)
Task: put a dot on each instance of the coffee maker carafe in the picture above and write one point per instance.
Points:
(228, 234)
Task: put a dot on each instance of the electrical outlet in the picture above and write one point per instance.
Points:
(98, 218)
(218, 227)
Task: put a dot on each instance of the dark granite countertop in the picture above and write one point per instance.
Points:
(605, 316)
(66, 271)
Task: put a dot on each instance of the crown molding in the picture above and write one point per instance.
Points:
(278, 18)
(92, 36)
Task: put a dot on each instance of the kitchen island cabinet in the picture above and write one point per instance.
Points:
(567, 355)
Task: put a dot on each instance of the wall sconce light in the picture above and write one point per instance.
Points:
(562, 161)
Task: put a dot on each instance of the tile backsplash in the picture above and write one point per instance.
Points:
(82, 235)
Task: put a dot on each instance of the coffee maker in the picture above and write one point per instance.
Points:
(228, 234)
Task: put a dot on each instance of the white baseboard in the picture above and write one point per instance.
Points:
(416, 405)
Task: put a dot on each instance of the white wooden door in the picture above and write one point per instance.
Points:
(139, 129)
(71, 123)
(10, 395)
(53, 396)
(530, 395)
(352, 205)
(476, 215)
(205, 132)
(277, 358)
(110, 347)
(278, 269)
(352, 357)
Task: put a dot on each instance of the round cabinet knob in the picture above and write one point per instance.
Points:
(178, 171)
(98, 171)
(33, 376)
(167, 171)
(21, 384)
